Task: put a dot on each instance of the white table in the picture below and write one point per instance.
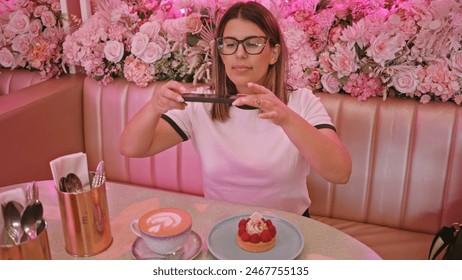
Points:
(128, 202)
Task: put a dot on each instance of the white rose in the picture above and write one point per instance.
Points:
(152, 53)
(405, 81)
(139, 43)
(330, 83)
(21, 43)
(114, 51)
(19, 23)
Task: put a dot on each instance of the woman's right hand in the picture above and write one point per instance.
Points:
(168, 97)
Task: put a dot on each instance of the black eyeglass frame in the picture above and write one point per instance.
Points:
(241, 42)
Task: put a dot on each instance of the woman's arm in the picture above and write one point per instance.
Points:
(320, 147)
(146, 133)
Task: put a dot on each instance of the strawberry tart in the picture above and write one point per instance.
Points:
(256, 234)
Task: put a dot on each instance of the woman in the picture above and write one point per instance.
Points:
(258, 156)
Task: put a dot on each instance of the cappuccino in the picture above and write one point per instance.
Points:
(165, 222)
(164, 230)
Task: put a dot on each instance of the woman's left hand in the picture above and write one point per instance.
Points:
(271, 107)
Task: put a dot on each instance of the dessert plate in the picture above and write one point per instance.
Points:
(221, 241)
(191, 249)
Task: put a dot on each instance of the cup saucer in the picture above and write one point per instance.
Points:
(191, 249)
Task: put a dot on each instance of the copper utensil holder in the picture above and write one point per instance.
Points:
(85, 220)
(36, 249)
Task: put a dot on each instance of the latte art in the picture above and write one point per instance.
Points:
(165, 222)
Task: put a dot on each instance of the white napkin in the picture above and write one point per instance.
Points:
(73, 163)
(18, 194)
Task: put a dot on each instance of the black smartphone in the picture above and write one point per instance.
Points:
(211, 98)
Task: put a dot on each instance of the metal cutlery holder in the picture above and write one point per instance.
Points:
(35, 249)
(85, 220)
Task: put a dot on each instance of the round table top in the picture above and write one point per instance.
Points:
(128, 202)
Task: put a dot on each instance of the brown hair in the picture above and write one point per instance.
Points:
(276, 77)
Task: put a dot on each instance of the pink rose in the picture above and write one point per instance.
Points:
(53, 32)
(35, 28)
(139, 43)
(314, 76)
(114, 51)
(6, 58)
(330, 83)
(334, 34)
(48, 19)
(151, 29)
(19, 23)
(152, 53)
(39, 10)
(56, 6)
(342, 10)
(405, 81)
(21, 43)
(193, 23)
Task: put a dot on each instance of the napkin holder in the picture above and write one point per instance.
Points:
(36, 249)
(85, 220)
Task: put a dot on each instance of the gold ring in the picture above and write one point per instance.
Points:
(258, 102)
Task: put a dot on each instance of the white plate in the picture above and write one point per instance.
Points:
(191, 249)
(221, 241)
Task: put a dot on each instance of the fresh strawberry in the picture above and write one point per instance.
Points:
(245, 236)
(272, 229)
(266, 236)
(241, 230)
(255, 238)
(269, 223)
(242, 222)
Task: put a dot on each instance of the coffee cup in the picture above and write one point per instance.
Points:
(163, 230)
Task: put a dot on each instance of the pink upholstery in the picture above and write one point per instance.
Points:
(13, 80)
(407, 159)
(107, 109)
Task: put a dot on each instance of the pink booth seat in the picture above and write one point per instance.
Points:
(13, 80)
(107, 109)
(406, 180)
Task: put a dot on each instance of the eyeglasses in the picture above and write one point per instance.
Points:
(252, 45)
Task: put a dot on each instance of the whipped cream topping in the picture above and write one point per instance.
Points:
(256, 224)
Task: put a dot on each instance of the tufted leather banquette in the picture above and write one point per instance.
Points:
(406, 180)
(13, 80)
(406, 156)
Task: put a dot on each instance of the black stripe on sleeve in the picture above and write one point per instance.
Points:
(326, 126)
(175, 126)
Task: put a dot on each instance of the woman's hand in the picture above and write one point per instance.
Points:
(271, 108)
(168, 97)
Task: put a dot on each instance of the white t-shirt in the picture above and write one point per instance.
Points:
(251, 160)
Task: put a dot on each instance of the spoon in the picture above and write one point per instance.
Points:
(73, 183)
(12, 214)
(32, 218)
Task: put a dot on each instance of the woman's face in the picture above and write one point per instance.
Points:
(242, 67)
